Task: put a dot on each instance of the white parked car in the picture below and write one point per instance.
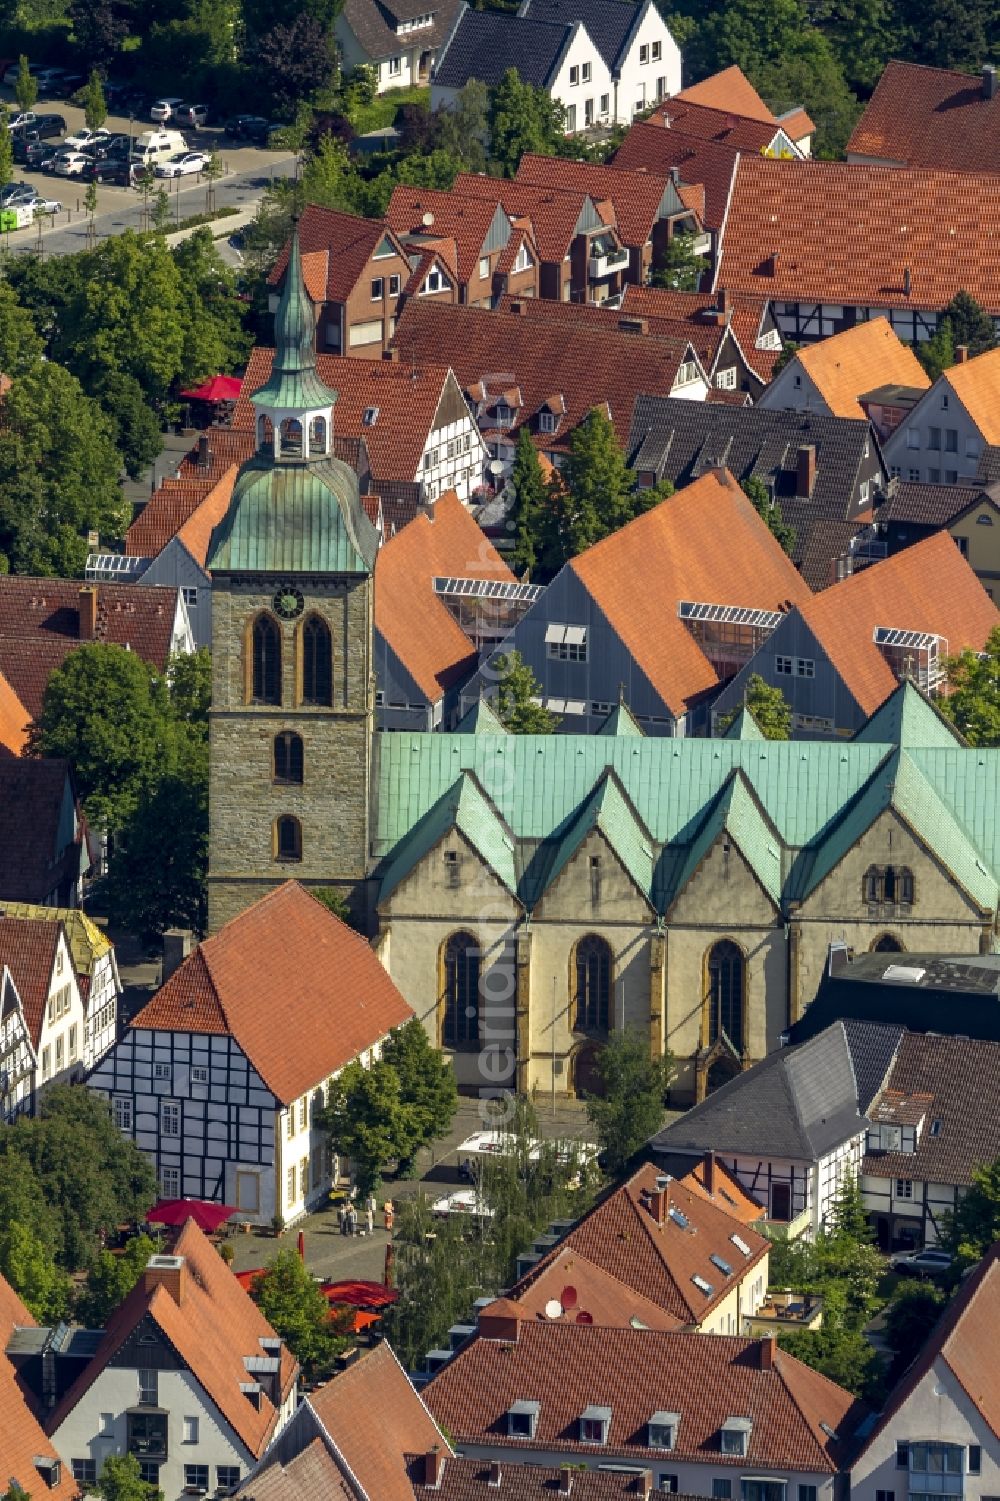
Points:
(184, 164)
(84, 137)
(43, 206)
(163, 109)
(72, 164)
(926, 1263)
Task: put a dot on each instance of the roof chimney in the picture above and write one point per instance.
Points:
(989, 82)
(766, 1349)
(87, 630)
(723, 300)
(710, 1172)
(433, 1467)
(656, 1203)
(499, 1319)
(906, 282)
(204, 452)
(961, 354)
(517, 308)
(805, 477)
(496, 1473)
(167, 1272)
(392, 355)
(178, 943)
(565, 1480)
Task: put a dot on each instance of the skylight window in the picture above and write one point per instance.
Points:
(740, 1244)
(678, 1218)
(702, 1285)
(935, 1128)
(370, 417)
(723, 1266)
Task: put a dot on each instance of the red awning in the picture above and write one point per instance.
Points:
(360, 1294)
(219, 388)
(207, 1216)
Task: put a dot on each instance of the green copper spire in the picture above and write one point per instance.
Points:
(293, 383)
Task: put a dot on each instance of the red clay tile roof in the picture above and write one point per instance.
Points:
(163, 515)
(337, 248)
(28, 947)
(196, 532)
(409, 616)
(22, 1437)
(642, 572)
(657, 1258)
(649, 146)
(311, 1476)
(720, 125)
(466, 220)
(865, 357)
(585, 365)
(14, 719)
(797, 125)
(469, 1480)
(746, 317)
(729, 1194)
(902, 220)
(213, 1328)
(929, 117)
(608, 1300)
(731, 90)
(375, 1418)
(636, 1372)
(297, 1024)
(40, 626)
(406, 394)
(553, 209)
(32, 797)
(636, 195)
(976, 383)
(926, 587)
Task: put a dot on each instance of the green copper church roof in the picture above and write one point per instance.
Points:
(463, 807)
(609, 810)
(480, 720)
(908, 718)
(735, 812)
(744, 727)
(293, 381)
(294, 518)
(622, 724)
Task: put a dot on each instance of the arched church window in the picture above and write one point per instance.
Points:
(287, 838)
(460, 1019)
(291, 438)
(592, 984)
(888, 883)
(726, 993)
(887, 943)
(265, 432)
(317, 437)
(288, 758)
(317, 662)
(266, 646)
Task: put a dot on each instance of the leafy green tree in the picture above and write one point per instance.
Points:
(119, 1480)
(974, 1226)
(517, 692)
(25, 85)
(368, 1121)
(911, 1315)
(6, 147)
(937, 353)
(463, 130)
(214, 337)
(30, 1268)
(427, 1087)
(111, 1279)
(789, 350)
(598, 486)
(99, 28)
(441, 1267)
(771, 710)
(191, 693)
(294, 1305)
(522, 118)
(768, 508)
(841, 1355)
(848, 1216)
(630, 1107)
(14, 1492)
(95, 106)
(160, 212)
(20, 344)
(334, 901)
(812, 75)
(971, 325)
(159, 869)
(679, 267)
(529, 492)
(294, 60)
(106, 713)
(973, 703)
(862, 34)
(136, 428)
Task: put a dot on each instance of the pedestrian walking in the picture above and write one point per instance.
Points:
(388, 1213)
(342, 1218)
(370, 1217)
(352, 1221)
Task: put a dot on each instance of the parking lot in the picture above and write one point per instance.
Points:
(248, 169)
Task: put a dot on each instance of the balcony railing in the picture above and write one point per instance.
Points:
(607, 263)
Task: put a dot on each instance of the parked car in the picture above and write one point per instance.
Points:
(119, 170)
(17, 192)
(51, 162)
(163, 109)
(119, 144)
(85, 137)
(66, 85)
(184, 164)
(242, 127)
(35, 69)
(46, 206)
(21, 119)
(926, 1263)
(72, 163)
(192, 114)
(29, 151)
(42, 127)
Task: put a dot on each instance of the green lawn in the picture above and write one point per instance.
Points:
(382, 110)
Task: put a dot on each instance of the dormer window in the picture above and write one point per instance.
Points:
(547, 422)
(504, 414)
(522, 261)
(661, 1430)
(734, 1437)
(594, 1425)
(522, 1419)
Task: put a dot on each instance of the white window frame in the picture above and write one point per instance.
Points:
(170, 1112)
(121, 1111)
(725, 380)
(395, 66)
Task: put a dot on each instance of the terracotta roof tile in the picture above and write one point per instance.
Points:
(336, 248)
(553, 207)
(608, 1300)
(730, 90)
(797, 125)
(636, 1372)
(470, 1480)
(32, 799)
(213, 1328)
(410, 617)
(649, 146)
(28, 947)
(311, 1476)
(196, 532)
(929, 117)
(746, 317)
(14, 719)
(864, 357)
(728, 1193)
(375, 1418)
(657, 1255)
(239, 981)
(976, 383)
(901, 220)
(926, 587)
(22, 1438)
(643, 571)
(164, 513)
(466, 220)
(720, 125)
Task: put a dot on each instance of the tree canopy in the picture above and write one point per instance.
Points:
(630, 1106)
(517, 705)
(973, 704)
(522, 118)
(293, 1303)
(769, 707)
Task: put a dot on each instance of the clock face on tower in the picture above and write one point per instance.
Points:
(288, 601)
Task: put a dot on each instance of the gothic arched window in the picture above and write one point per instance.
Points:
(887, 943)
(266, 645)
(592, 985)
(726, 992)
(291, 438)
(317, 662)
(288, 757)
(317, 437)
(287, 838)
(460, 1019)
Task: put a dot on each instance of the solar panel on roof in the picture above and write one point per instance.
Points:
(768, 620)
(487, 589)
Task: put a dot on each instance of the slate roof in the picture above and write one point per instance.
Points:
(929, 117)
(469, 1480)
(32, 797)
(653, 1258)
(869, 355)
(650, 146)
(414, 621)
(296, 1024)
(940, 1070)
(932, 505)
(636, 1372)
(678, 440)
(485, 43)
(609, 23)
(901, 220)
(798, 1103)
(215, 1325)
(374, 25)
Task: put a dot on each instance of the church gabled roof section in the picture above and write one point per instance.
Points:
(736, 812)
(622, 724)
(481, 719)
(608, 809)
(464, 807)
(909, 718)
(745, 727)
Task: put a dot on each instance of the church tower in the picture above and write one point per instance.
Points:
(292, 711)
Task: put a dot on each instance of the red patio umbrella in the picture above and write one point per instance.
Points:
(219, 388)
(207, 1216)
